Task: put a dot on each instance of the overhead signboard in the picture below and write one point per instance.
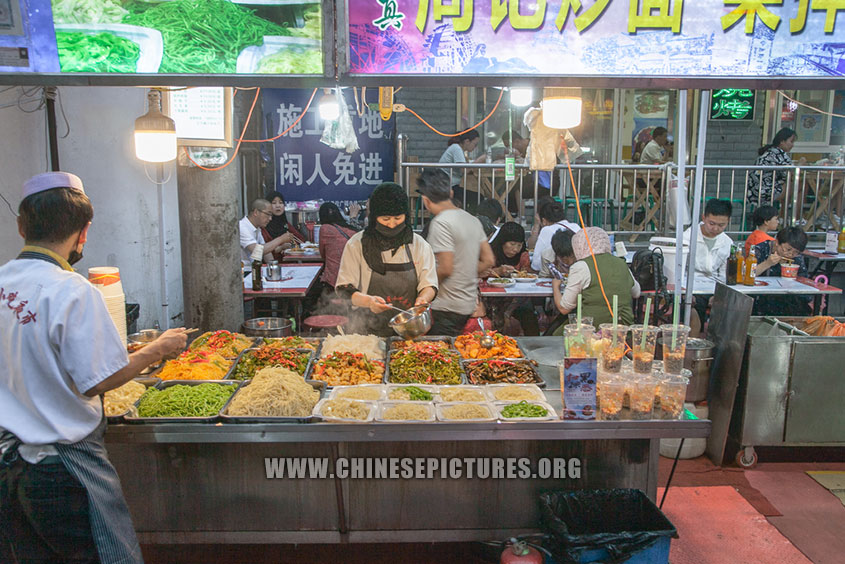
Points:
(100, 38)
(595, 38)
(732, 104)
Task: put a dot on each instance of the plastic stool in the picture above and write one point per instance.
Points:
(323, 323)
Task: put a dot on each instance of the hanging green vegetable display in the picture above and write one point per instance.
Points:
(101, 52)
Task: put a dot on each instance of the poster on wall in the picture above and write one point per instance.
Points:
(730, 38)
(187, 37)
(307, 169)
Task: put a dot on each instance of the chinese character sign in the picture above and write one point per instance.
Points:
(306, 169)
(712, 38)
(732, 104)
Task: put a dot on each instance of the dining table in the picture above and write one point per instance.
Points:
(297, 280)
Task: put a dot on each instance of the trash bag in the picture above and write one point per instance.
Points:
(621, 522)
(340, 133)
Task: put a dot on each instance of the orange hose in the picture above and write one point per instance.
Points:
(237, 147)
(438, 132)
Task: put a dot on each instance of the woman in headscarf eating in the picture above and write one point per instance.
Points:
(387, 263)
(279, 225)
(515, 316)
(615, 276)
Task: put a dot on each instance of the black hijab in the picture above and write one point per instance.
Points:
(510, 231)
(330, 215)
(387, 199)
(278, 226)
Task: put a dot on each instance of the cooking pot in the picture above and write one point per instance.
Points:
(141, 339)
(414, 323)
(267, 327)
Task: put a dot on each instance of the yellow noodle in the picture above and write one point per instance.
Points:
(406, 412)
(275, 392)
(362, 393)
(119, 400)
(514, 393)
(346, 409)
(466, 411)
(460, 394)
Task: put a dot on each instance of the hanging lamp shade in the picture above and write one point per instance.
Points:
(328, 107)
(561, 107)
(155, 133)
(521, 97)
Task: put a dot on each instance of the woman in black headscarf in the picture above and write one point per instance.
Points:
(509, 249)
(279, 225)
(387, 263)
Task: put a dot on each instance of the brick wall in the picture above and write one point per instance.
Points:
(437, 107)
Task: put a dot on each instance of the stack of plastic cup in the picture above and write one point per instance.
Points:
(643, 348)
(577, 340)
(107, 280)
(674, 347)
(614, 349)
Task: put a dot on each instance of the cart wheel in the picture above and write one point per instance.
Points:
(744, 461)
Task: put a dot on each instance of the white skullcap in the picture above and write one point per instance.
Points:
(50, 180)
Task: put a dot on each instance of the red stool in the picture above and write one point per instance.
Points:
(322, 324)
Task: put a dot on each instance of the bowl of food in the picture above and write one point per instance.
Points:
(501, 282)
(524, 276)
(789, 270)
(413, 323)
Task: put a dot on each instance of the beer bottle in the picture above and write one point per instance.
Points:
(257, 280)
(730, 272)
(751, 267)
(740, 267)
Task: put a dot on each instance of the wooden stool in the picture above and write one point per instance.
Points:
(322, 324)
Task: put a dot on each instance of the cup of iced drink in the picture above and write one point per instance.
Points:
(672, 390)
(573, 319)
(642, 398)
(674, 347)
(612, 393)
(577, 340)
(614, 346)
(644, 348)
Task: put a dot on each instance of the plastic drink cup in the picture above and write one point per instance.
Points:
(612, 394)
(642, 398)
(644, 350)
(612, 353)
(672, 391)
(573, 319)
(673, 353)
(577, 340)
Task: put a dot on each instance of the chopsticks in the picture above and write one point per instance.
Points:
(192, 330)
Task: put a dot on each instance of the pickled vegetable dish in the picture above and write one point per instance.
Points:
(524, 409)
(271, 355)
(501, 372)
(224, 343)
(347, 369)
(425, 362)
(203, 400)
(470, 346)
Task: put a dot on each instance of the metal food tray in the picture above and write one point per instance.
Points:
(149, 382)
(337, 390)
(315, 359)
(518, 346)
(316, 384)
(533, 388)
(231, 374)
(316, 341)
(538, 380)
(550, 416)
(254, 343)
(480, 389)
(388, 381)
(443, 338)
(385, 405)
(487, 405)
(317, 412)
(168, 383)
(228, 376)
(430, 388)
(319, 352)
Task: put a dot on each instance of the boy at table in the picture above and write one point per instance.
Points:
(789, 244)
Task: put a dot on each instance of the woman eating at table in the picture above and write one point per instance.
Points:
(616, 278)
(786, 248)
(387, 263)
(515, 315)
(279, 225)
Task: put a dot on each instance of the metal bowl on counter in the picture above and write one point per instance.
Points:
(141, 339)
(267, 327)
(412, 324)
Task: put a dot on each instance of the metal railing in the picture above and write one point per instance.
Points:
(633, 199)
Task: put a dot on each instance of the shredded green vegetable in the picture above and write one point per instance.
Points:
(524, 409)
(202, 36)
(203, 400)
(103, 52)
(425, 363)
(88, 11)
(292, 61)
(313, 28)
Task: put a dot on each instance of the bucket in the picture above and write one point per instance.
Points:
(668, 246)
(693, 448)
(698, 360)
(267, 327)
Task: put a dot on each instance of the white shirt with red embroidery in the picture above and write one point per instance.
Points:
(56, 342)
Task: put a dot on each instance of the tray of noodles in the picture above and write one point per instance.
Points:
(503, 371)
(118, 402)
(525, 410)
(425, 362)
(345, 410)
(225, 343)
(274, 395)
(370, 392)
(405, 412)
(370, 345)
(505, 347)
(412, 392)
(515, 392)
(465, 412)
(474, 394)
(347, 369)
(271, 354)
(183, 401)
(292, 342)
(195, 365)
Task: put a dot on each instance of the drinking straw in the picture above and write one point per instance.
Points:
(645, 322)
(579, 311)
(615, 317)
(675, 319)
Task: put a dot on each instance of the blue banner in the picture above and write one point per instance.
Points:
(306, 169)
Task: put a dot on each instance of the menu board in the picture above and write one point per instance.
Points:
(203, 116)
(185, 37)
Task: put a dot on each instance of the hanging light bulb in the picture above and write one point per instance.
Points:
(155, 133)
(561, 107)
(328, 107)
(521, 97)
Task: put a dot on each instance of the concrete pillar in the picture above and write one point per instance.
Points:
(209, 210)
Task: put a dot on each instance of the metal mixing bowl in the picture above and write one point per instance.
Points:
(267, 327)
(412, 326)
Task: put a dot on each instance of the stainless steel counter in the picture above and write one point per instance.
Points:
(207, 483)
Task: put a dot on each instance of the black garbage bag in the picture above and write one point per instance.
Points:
(620, 521)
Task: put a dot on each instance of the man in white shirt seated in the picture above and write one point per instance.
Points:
(655, 151)
(250, 225)
(551, 215)
(714, 246)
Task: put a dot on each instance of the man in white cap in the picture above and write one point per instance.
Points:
(60, 498)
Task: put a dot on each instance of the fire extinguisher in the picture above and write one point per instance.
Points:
(518, 552)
